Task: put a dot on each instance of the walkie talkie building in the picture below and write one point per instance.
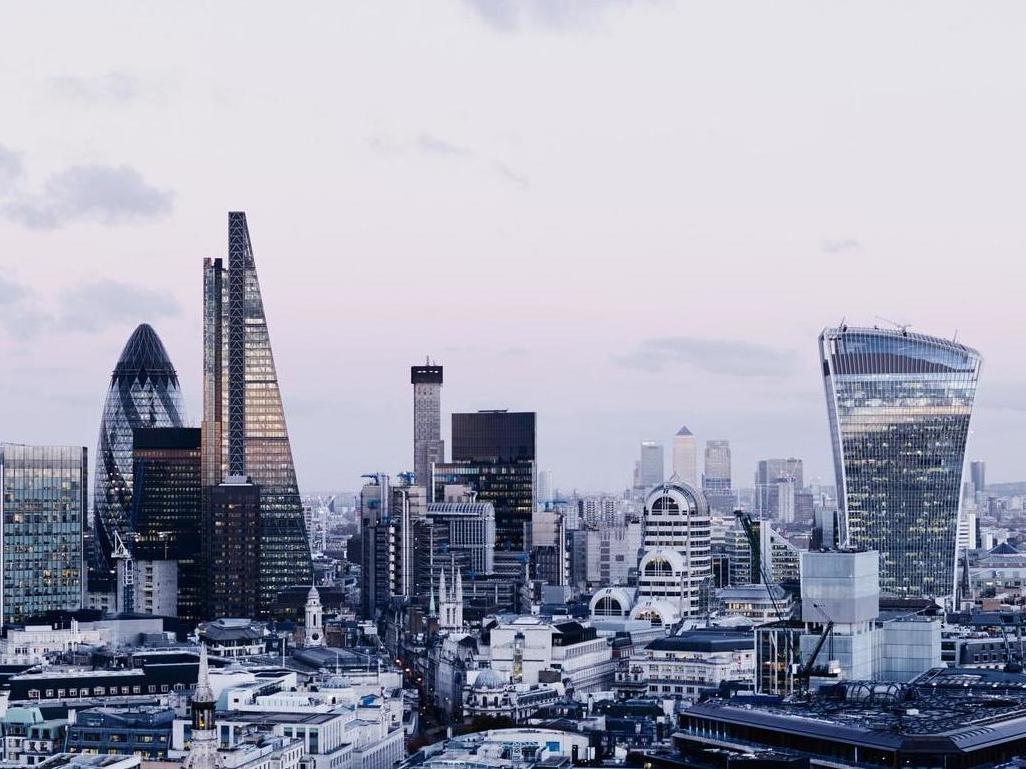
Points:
(899, 406)
(244, 430)
(143, 393)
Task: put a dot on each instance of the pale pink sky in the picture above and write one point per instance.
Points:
(536, 194)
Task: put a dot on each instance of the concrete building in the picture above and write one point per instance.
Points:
(684, 666)
(675, 562)
(428, 446)
(530, 650)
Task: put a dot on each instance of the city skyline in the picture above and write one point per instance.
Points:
(784, 211)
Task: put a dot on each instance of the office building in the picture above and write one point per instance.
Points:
(651, 467)
(170, 575)
(675, 561)
(494, 435)
(899, 406)
(717, 466)
(43, 501)
(143, 393)
(493, 455)
(978, 475)
(428, 446)
(244, 428)
(232, 545)
(773, 477)
(685, 457)
(716, 480)
(389, 519)
(546, 493)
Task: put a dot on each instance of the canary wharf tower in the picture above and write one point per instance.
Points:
(899, 405)
(244, 431)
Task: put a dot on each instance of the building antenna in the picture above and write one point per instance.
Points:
(903, 327)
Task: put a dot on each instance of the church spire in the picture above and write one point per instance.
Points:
(203, 753)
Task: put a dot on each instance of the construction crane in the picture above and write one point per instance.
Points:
(753, 542)
(125, 570)
(805, 671)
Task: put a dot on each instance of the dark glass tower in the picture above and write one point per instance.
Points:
(167, 509)
(494, 436)
(243, 419)
(493, 453)
(899, 406)
(143, 393)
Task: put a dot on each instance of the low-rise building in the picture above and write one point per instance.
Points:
(143, 730)
(684, 666)
(531, 650)
(489, 694)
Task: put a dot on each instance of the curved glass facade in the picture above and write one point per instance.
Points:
(143, 393)
(899, 406)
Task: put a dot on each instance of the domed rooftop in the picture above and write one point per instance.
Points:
(488, 679)
(144, 357)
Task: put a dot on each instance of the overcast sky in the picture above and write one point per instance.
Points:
(626, 216)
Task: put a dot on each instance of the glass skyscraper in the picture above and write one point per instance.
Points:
(43, 498)
(899, 406)
(167, 511)
(143, 393)
(244, 430)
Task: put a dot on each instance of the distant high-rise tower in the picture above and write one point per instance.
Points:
(899, 406)
(717, 466)
(428, 446)
(143, 393)
(43, 493)
(685, 456)
(652, 467)
(978, 474)
(243, 419)
(716, 481)
(770, 474)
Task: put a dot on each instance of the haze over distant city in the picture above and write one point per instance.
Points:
(558, 203)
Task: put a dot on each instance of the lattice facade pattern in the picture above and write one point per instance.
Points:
(143, 393)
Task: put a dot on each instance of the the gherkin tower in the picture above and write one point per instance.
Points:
(244, 430)
(143, 393)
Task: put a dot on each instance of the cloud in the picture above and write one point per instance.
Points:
(432, 145)
(10, 292)
(112, 88)
(19, 313)
(384, 145)
(93, 306)
(106, 194)
(715, 356)
(841, 246)
(10, 169)
(509, 175)
(429, 144)
(561, 15)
